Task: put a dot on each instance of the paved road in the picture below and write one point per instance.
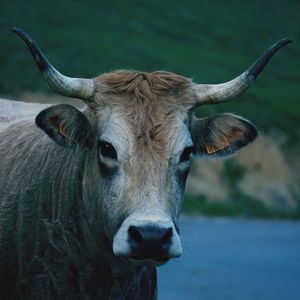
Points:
(227, 259)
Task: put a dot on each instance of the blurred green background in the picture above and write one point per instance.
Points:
(209, 41)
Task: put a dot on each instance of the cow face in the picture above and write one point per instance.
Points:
(143, 179)
(143, 139)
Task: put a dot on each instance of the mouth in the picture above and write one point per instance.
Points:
(157, 261)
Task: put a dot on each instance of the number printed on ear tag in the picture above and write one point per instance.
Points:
(224, 143)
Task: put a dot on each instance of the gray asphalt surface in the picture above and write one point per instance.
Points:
(227, 259)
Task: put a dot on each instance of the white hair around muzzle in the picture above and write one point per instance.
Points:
(121, 245)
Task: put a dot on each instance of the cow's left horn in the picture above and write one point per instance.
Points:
(71, 87)
(218, 93)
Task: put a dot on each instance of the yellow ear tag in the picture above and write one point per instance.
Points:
(62, 131)
(223, 143)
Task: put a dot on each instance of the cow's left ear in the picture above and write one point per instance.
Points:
(221, 135)
(65, 125)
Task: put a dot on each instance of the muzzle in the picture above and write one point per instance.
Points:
(147, 239)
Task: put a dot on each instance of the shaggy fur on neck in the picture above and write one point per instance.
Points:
(51, 247)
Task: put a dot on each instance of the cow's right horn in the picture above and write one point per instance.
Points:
(67, 86)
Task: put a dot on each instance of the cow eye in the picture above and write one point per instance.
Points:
(185, 155)
(107, 150)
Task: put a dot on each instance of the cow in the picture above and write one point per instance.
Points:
(90, 198)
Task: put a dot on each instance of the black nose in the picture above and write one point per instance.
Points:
(150, 241)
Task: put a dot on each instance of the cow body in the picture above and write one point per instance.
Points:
(11, 111)
(51, 246)
(90, 199)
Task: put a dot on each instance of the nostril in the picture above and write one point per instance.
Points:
(166, 239)
(135, 236)
(149, 240)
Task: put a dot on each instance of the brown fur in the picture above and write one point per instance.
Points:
(142, 83)
(150, 102)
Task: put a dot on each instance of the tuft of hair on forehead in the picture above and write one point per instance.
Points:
(151, 104)
(138, 83)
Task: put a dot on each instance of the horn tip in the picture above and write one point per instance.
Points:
(22, 34)
(18, 30)
(258, 66)
(284, 41)
(14, 29)
(37, 54)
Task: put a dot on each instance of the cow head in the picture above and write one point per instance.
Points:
(139, 131)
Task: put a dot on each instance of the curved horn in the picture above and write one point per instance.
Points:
(218, 93)
(66, 86)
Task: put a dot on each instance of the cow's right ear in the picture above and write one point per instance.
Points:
(65, 125)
